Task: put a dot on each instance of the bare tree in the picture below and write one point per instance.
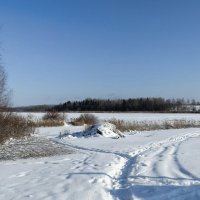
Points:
(4, 93)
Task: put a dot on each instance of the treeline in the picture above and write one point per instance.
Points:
(35, 108)
(123, 105)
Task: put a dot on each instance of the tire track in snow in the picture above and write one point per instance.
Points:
(124, 178)
(168, 150)
(181, 168)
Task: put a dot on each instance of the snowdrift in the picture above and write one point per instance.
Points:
(102, 129)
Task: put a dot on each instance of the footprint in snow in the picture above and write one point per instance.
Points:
(76, 167)
(21, 174)
(64, 159)
(29, 196)
(57, 163)
(93, 180)
(108, 165)
(144, 165)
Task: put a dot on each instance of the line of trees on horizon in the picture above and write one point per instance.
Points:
(152, 104)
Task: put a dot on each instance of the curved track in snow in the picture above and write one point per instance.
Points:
(151, 172)
(154, 165)
(154, 172)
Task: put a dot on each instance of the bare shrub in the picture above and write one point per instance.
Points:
(86, 118)
(53, 115)
(11, 125)
(51, 119)
(14, 126)
(148, 126)
(185, 124)
(49, 123)
(128, 126)
(4, 92)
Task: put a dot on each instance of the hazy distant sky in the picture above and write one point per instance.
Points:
(59, 50)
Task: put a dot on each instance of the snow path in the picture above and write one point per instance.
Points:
(144, 167)
(153, 164)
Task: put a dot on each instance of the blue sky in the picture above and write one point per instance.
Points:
(62, 50)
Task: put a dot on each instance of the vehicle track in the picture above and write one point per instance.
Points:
(152, 164)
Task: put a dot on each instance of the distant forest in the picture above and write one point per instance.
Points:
(126, 105)
(119, 105)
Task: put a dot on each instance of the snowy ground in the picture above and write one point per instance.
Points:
(140, 117)
(31, 147)
(147, 165)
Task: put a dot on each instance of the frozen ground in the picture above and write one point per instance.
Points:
(31, 147)
(150, 165)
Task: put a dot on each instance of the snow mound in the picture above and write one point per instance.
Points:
(104, 129)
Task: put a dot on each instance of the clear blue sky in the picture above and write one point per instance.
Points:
(62, 50)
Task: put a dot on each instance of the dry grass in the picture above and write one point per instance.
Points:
(53, 115)
(31, 147)
(14, 126)
(88, 119)
(51, 119)
(48, 123)
(148, 126)
(16, 139)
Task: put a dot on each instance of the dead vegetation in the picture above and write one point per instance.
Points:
(17, 139)
(31, 147)
(53, 115)
(88, 119)
(12, 126)
(48, 123)
(15, 126)
(148, 126)
(51, 119)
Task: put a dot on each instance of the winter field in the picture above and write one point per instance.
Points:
(150, 165)
(147, 117)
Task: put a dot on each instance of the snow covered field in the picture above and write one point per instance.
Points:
(145, 165)
(147, 117)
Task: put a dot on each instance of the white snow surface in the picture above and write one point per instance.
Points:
(148, 165)
(140, 117)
